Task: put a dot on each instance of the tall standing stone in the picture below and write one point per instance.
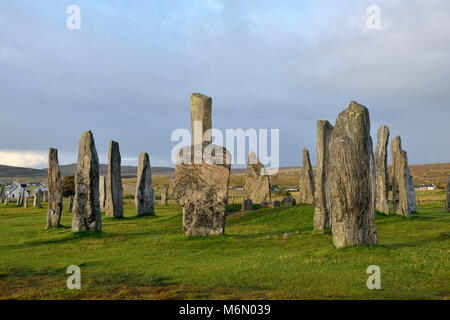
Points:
(447, 202)
(102, 186)
(403, 193)
(144, 190)
(2, 194)
(306, 183)
(70, 203)
(322, 198)
(86, 214)
(55, 197)
(25, 202)
(352, 179)
(381, 171)
(38, 199)
(256, 183)
(164, 196)
(6, 200)
(201, 122)
(202, 175)
(114, 192)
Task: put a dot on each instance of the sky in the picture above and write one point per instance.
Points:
(128, 72)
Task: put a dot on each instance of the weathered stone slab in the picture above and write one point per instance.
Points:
(114, 191)
(322, 201)
(288, 201)
(164, 196)
(86, 214)
(257, 184)
(102, 190)
(381, 171)
(403, 193)
(247, 205)
(55, 196)
(70, 203)
(37, 199)
(2, 194)
(352, 179)
(201, 120)
(447, 202)
(306, 183)
(202, 190)
(144, 190)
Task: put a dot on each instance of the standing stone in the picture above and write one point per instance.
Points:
(2, 194)
(164, 196)
(86, 207)
(45, 196)
(306, 184)
(201, 118)
(114, 192)
(70, 203)
(144, 190)
(288, 201)
(381, 171)
(202, 174)
(21, 198)
(247, 205)
(54, 181)
(37, 199)
(276, 204)
(322, 201)
(25, 202)
(352, 179)
(102, 186)
(6, 200)
(403, 193)
(447, 202)
(257, 185)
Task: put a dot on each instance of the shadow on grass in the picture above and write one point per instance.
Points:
(441, 238)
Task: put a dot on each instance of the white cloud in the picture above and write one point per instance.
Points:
(33, 159)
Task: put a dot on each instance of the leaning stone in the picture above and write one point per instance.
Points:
(257, 184)
(322, 200)
(381, 171)
(306, 183)
(102, 186)
(144, 191)
(403, 193)
(55, 196)
(247, 205)
(352, 179)
(86, 208)
(288, 201)
(114, 191)
(447, 202)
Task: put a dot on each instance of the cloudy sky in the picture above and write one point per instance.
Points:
(128, 72)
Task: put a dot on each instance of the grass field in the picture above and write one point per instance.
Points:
(151, 258)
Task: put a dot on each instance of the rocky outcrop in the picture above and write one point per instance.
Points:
(306, 183)
(352, 179)
(86, 214)
(257, 184)
(381, 171)
(55, 196)
(403, 193)
(114, 192)
(322, 200)
(144, 190)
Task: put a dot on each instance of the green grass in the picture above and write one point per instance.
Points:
(151, 258)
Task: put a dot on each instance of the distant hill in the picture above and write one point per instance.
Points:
(9, 173)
